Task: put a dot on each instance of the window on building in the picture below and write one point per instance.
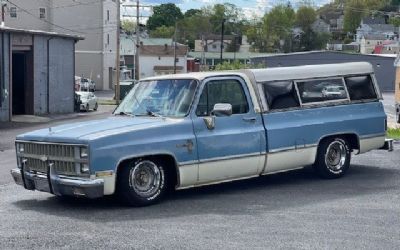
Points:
(108, 15)
(222, 91)
(281, 95)
(13, 12)
(108, 39)
(322, 90)
(361, 88)
(42, 13)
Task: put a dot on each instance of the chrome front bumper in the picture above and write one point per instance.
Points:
(59, 185)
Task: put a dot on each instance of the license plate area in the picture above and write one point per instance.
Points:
(42, 184)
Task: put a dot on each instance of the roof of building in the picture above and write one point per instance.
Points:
(321, 52)
(227, 55)
(382, 27)
(128, 43)
(380, 37)
(41, 32)
(373, 20)
(162, 50)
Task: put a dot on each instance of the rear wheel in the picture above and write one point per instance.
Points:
(96, 106)
(333, 158)
(142, 182)
(87, 107)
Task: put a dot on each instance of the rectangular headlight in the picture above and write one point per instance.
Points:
(84, 152)
(20, 148)
(85, 168)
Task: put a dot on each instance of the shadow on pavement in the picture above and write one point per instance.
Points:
(273, 193)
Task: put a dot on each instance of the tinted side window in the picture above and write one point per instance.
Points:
(360, 87)
(281, 95)
(322, 90)
(224, 91)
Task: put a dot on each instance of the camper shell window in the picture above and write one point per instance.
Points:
(361, 88)
(322, 90)
(281, 95)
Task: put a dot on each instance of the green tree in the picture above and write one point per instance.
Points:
(163, 32)
(128, 26)
(192, 12)
(164, 14)
(354, 11)
(237, 65)
(277, 27)
(193, 27)
(305, 17)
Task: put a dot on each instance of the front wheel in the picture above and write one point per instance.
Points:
(142, 183)
(333, 158)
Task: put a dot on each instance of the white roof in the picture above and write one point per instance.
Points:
(311, 71)
(282, 73)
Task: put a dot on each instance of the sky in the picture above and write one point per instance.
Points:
(250, 8)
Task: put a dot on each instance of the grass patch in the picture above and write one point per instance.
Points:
(394, 133)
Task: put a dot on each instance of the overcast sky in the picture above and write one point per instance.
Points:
(250, 8)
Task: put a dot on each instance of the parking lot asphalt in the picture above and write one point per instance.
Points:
(293, 210)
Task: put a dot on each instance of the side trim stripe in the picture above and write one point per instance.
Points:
(230, 157)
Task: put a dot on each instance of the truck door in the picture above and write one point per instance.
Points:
(234, 147)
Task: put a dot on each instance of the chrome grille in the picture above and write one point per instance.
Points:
(49, 150)
(39, 156)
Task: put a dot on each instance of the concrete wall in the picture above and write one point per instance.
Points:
(5, 77)
(384, 69)
(61, 75)
(27, 21)
(40, 74)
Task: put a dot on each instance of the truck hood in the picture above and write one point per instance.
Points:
(91, 130)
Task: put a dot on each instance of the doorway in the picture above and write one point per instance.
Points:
(22, 83)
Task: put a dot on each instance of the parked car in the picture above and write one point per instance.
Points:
(84, 84)
(183, 131)
(334, 91)
(88, 101)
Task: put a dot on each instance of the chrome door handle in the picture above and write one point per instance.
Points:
(249, 119)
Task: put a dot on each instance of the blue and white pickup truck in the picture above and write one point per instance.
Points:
(188, 130)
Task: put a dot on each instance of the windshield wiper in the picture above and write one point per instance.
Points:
(151, 113)
(125, 113)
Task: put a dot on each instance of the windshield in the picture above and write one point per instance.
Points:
(162, 97)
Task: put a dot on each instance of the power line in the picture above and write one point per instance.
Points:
(43, 20)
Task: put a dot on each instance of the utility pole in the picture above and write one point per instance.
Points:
(203, 53)
(3, 6)
(117, 60)
(176, 27)
(137, 70)
(222, 39)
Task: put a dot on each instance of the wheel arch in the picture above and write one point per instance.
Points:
(172, 164)
(351, 137)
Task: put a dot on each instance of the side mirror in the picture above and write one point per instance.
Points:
(222, 109)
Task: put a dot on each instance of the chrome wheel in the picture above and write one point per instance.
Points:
(335, 157)
(146, 179)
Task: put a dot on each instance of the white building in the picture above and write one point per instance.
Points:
(159, 59)
(95, 20)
